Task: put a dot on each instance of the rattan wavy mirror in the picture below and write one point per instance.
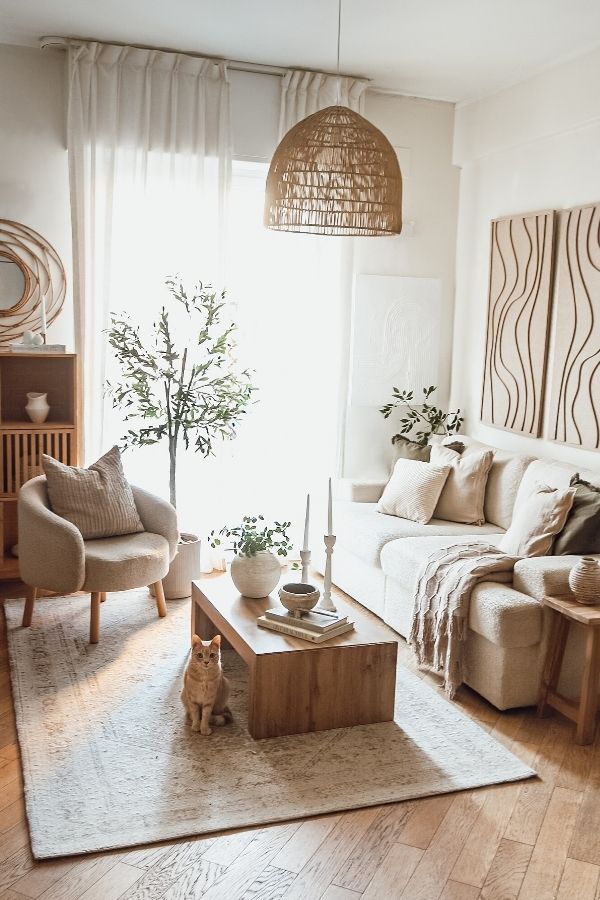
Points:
(32, 281)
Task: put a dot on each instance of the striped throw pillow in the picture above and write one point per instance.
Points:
(98, 500)
(413, 490)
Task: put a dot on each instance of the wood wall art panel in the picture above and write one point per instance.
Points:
(574, 384)
(520, 291)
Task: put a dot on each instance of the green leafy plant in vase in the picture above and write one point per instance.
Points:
(255, 569)
(180, 383)
(423, 420)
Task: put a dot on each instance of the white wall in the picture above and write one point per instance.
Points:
(34, 185)
(534, 146)
(34, 190)
(426, 247)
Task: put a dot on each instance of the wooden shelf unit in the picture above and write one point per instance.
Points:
(23, 442)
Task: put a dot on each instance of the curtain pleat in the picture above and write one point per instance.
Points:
(304, 93)
(135, 117)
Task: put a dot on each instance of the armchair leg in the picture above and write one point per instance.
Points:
(160, 599)
(95, 617)
(29, 604)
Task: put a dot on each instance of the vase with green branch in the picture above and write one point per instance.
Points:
(420, 420)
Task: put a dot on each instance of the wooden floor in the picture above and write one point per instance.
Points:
(535, 840)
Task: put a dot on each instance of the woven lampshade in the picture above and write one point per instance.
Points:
(334, 173)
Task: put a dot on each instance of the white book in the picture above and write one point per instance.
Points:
(312, 620)
(43, 348)
(314, 637)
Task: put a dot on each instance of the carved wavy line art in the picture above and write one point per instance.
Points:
(574, 412)
(536, 400)
(517, 329)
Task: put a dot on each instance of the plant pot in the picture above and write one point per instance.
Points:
(183, 569)
(256, 576)
(584, 581)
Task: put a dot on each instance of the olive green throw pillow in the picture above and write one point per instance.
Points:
(407, 449)
(581, 533)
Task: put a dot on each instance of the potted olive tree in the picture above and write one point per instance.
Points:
(180, 385)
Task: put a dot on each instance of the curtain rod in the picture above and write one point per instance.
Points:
(236, 65)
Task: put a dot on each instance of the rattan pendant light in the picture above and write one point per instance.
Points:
(334, 173)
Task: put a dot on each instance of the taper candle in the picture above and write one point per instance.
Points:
(43, 311)
(329, 513)
(306, 519)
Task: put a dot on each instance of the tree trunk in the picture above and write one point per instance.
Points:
(173, 472)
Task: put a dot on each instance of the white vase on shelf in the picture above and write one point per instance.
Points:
(584, 581)
(37, 407)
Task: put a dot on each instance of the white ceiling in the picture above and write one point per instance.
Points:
(444, 49)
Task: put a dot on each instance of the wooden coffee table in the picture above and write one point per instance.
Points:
(296, 686)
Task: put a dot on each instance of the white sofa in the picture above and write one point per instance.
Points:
(377, 558)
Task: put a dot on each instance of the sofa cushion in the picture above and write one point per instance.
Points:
(543, 575)
(361, 530)
(503, 481)
(543, 473)
(498, 612)
(402, 559)
(129, 561)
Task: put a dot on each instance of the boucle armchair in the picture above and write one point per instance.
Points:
(54, 556)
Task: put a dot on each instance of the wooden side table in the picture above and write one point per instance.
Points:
(565, 611)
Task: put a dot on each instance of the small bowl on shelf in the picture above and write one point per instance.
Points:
(298, 596)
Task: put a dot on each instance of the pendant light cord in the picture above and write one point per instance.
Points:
(338, 50)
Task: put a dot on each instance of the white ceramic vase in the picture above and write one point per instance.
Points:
(184, 568)
(256, 576)
(37, 407)
(584, 581)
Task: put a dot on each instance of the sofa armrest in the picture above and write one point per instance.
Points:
(51, 549)
(362, 490)
(540, 576)
(158, 517)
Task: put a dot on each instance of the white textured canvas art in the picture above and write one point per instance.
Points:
(395, 336)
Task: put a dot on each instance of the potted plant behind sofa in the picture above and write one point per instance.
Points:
(184, 389)
(422, 421)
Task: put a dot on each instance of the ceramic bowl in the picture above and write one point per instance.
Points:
(298, 596)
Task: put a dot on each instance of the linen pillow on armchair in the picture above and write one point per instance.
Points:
(413, 490)
(97, 500)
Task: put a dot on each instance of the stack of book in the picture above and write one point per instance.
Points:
(312, 625)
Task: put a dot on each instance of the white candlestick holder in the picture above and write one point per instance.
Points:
(326, 602)
(305, 557)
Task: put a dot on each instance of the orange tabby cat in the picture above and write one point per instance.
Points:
(205, 688)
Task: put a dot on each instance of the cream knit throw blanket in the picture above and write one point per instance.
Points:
(441, 614)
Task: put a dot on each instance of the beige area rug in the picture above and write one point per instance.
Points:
(109, 762)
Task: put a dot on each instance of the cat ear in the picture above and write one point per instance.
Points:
(196, 640)
(216, 640)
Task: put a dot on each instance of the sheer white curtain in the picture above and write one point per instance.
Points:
(304, 93)
(150, 161)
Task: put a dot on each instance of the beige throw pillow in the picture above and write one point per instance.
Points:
(413, 490)
(463, 494)
(98, 500)
(536, 522)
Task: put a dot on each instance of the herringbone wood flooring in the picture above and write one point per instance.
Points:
(535, 840)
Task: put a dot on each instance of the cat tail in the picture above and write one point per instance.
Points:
(222, 718)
